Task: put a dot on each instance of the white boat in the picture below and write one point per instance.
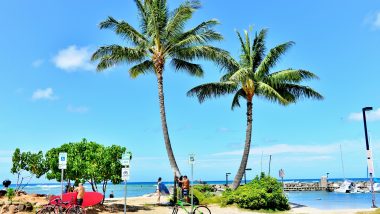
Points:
(347, 187)
(376, 187)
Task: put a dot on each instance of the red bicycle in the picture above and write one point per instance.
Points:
(57, 206)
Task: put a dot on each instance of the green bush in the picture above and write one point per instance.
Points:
(204, 188)
(10, 194)
(261, 193)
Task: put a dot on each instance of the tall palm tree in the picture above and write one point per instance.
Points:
(161, 38)
(251, 77)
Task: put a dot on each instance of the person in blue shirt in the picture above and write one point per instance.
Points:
(161, 189)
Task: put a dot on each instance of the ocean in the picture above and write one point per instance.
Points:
(317, 199)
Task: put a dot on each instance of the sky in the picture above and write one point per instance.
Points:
(50, 93)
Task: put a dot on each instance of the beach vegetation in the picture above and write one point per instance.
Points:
(87, 161)
(162, 39)
(206, 194)
(252, 76)
(33, 164)
(263, 192)
(10, 194)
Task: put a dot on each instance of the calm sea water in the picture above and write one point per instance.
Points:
(317, 199)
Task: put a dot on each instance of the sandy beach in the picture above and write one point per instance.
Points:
(147, 205)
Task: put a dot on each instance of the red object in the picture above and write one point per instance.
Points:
(89, 199)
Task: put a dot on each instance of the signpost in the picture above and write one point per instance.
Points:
(125, 161)
(62, 164)
(281, 174)
(191, 162)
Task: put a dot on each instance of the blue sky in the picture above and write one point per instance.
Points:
(50, 93)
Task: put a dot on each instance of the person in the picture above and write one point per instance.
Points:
(158, 189)
(186, 188)
(80, 189)
(111, 195)
(161, 189)
(180, 180)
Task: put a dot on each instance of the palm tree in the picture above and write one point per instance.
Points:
(161, 38)
(252, 77)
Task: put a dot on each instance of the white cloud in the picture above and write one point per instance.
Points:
(376, 21)
(74, 58)
(77, 109)
(37, 63)
(44, 94)
(372, 20)
(370, 115)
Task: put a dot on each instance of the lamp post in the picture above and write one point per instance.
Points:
(227, 173)
(369, 155)
(245, 174)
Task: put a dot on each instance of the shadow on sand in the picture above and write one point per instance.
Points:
(115, 208)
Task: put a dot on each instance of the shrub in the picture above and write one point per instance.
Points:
(204, 188)
(10, 194)
(263, 192)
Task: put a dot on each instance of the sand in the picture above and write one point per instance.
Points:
(148, 205)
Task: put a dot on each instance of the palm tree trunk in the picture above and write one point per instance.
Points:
(164, 124)
(247, 146)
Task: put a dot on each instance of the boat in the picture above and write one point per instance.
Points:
(347, 187)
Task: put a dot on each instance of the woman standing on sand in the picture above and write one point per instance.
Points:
(159, 181)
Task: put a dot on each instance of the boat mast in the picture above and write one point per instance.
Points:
(341, 158)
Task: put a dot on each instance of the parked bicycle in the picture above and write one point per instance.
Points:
(57, 206)
(197, 209)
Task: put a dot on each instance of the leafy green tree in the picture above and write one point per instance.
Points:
(33, 163)
(162, 39)
(251, 77)
(87, 161)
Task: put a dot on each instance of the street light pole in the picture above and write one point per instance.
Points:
(369, 155)
(227, 173)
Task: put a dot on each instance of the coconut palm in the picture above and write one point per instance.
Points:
(161, 39)
(252, 77)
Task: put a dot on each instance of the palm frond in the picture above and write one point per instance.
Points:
(272, 58)
(142, 68)
(124, 29)
(235, 101)
(299, 91)
(240, 75)
(245, 53)
(142, 14)
(202, 32)
(291, 76)
(115, 54)
(179, 17)
(270, 93)
(190, 68)
(210, 90)
(258, 49)
(217, 55)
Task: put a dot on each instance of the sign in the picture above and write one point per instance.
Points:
(62, 160)
(125, 174)
(370, 162)
(124, 162)
(191, 159)
(281, 173)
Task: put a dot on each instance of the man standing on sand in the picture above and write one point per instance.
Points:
(80, 189)
(185, 188)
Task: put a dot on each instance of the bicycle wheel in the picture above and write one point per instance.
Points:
(47, 210)
(76, 210)
(201, 210)
(175, 210)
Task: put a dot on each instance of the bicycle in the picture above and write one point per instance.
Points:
(57, 206)
(197, 209)
(51, 208)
